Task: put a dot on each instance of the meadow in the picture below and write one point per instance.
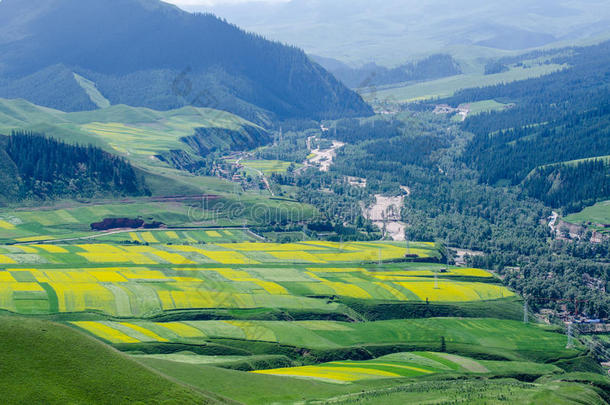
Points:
(446, 87)
(71, 220)
(119, 128)
(267, 167)
(596, 214)
(407, 364)
(482, 338)
(72, 368)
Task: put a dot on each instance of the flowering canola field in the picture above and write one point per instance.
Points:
(144, 281)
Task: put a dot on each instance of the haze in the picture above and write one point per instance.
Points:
(394, 31)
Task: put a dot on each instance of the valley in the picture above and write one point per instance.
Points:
(192, 213)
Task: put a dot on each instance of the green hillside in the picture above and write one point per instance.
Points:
(136, 133)
(43, 362)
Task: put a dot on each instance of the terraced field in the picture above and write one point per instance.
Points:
(402, 365)
(182, 214)
(509, 340)
(211, 306)
(142, 281)
(74, 220)
(180, 235)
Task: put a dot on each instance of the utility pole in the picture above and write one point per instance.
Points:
(525, 314)
(570, 344)
(436, 280)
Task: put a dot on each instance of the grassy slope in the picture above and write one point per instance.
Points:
(66, 219)
(135, 133)
(485, 392)
(161, 129)
(598, 214)
(330, 341)
(252, 388)
(43, 362)
(264, 389)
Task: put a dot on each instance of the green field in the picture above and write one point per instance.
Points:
(267, 167)
(475, 337)
(410, 364)
(597, 214)
(486, 106)
(209, 306)
(132, 280)
(448, 86)
(69, 220)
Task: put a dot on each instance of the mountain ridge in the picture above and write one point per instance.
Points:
(160, 57)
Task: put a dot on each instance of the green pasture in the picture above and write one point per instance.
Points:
(44, 362)
(596, 214)
(475, 337)
(268, 167)
(446, 87)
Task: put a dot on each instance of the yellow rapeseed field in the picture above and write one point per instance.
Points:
(456, 291)
(6, 225)
(348, 290)
(148, 333)
(6, 260)
(396, 293)
(27, 249)
(6, 277)
(78, 297)
(183, 330)
(107, 276)
(298, 256)
(105, 332)
(173, 258)
(340, 374)
(35, 238)
(51, 248)
(149, 237)
(268, 247)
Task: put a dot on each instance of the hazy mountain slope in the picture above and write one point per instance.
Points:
(148, 53)
(395, 31)
(371, 74)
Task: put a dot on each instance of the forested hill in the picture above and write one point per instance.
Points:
(561, 117)
(371, 74)
(151, 54)
(35, 167)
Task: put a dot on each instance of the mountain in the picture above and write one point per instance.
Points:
(75, 54)
(554, 139)
(371, 74)
(392, 32)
